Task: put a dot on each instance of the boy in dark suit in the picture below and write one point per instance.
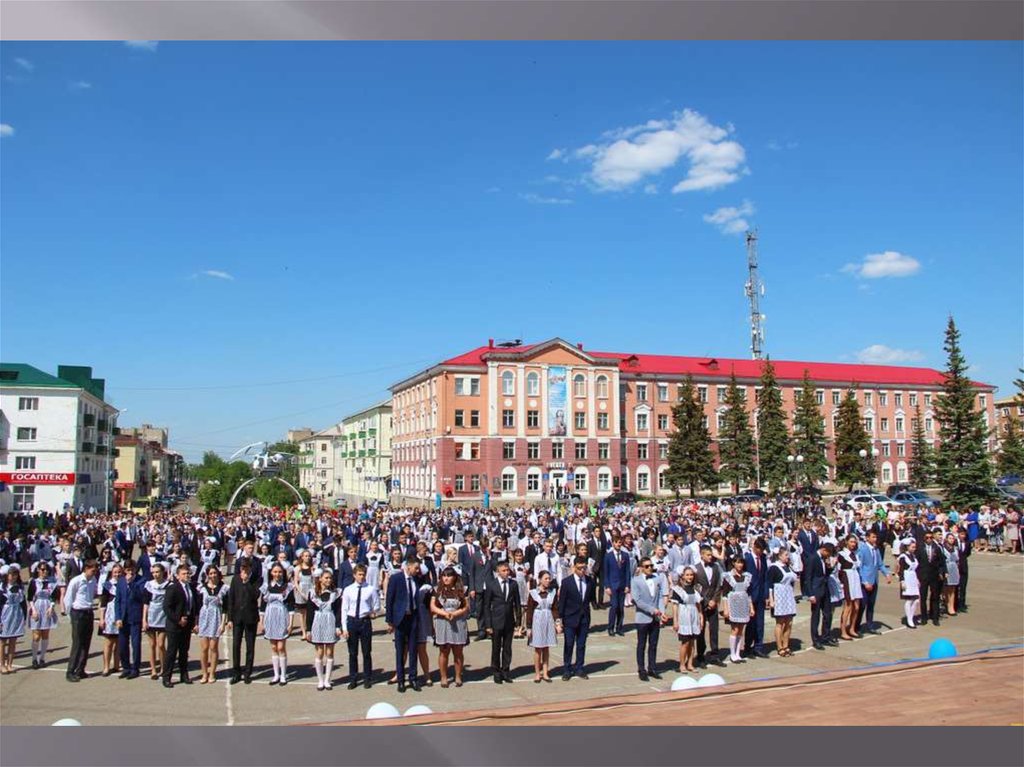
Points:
(403, 619)
(574, 597)
(181, 605)
(502, 612)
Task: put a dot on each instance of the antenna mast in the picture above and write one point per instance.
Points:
(754, 289)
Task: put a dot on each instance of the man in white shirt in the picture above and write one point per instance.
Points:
(360, 603)
(78, 602)
(547, 561)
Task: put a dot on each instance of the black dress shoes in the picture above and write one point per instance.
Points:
(353, 684)
(367, 684)
(819, 646)
(236, 679)
(186, 680)
(498, 679)
(401, 686)
(643, 676)
(507, 675)
(416, 686)
(583, 675)
(168, 684)
(565, 677)
(248, 679)
(71, 678)
(653, 674)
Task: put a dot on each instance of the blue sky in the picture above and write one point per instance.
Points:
(308, 223)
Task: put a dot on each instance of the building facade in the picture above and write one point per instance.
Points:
(133, 470)
(316, 464)
(363, 455)
(56, 439)
(532, 422)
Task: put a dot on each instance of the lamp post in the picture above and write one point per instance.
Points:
(110, 453)
(794, 461)
(874, 454)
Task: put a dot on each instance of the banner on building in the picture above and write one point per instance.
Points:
(37, 478)
(557, 398)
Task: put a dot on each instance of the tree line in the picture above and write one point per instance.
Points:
(219, 479)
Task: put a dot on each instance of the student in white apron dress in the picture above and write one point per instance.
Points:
(13, 611)
(43, 596)
(108, 622)
(688, 618)
(910, 587)
(278, 604)
(782, 600)
(849, 574)
(738, 609)
(323, 626)
(211, 623)
(154, 620)
(302, 584)
(521, 572)
(542, 624)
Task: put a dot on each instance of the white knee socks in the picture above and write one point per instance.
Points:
(734, 643)
(283, 661)
(328, 670)
(319, 666)
(35, 650)
(910, 608)
(274, 664)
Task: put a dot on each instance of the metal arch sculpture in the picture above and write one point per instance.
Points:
(265, 466)
(289, 485)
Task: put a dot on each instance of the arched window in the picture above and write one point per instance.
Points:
(532, 384)
(662, 485)
(643, 480)
(604, 480)
(508, 481)
(533, 480)
(579, 385)
(582, 480)
(602, 387)
(508, 382)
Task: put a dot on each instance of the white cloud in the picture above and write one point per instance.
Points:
(25, 64)
(217, 274)
(6, 130)
(627, 156)
(887, 264)
(731, 220)
(536, 199)
(880, 354)
(142, 45)
(556, 154)
(80, 85)
(651, 189)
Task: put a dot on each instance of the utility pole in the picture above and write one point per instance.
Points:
(754, 289)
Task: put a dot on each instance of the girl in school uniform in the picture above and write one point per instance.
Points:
(278, 602)
(688, 618)
(521, 572)
(13, 613)
(210, 625)
(542, 624)
(43, 597)
(782, 599)
(302, 583)
(425, 635)
(108, 624)
(950, 586)
(323, 626)
(737, 607)
(154, 620)
(849, 575)
(910, 586)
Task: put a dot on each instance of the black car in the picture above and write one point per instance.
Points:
(617, 498)
(904, 488)
(755, 492)
(808, 491)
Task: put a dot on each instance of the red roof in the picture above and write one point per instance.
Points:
(719, 367)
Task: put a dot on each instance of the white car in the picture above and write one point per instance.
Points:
(871, 500)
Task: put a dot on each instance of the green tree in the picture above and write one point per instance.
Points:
(961, 463)
(1011, 443)
(691, 463)
(772, 435)
(851, 439)
(922, 455)
(809, 434)
(219, 480)
(735, 441)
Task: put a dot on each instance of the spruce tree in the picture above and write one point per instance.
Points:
(851, 438)
(772, 435)
(922, 456)
(735, 440)
(1011, 442)
(691, 463)
(809, 434)
(962, 463)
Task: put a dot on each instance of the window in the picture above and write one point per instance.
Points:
(641, 421)
(24, 497)
(508, 382)
(602, 387)
(901, 449)
(868, 399)
(603, 450)
(323, 447)
(474, 451)
(704, 421)
(662, 392)
(458, 418)
(835, 397)
(899, 424)
(508, 450)
(721, 394)
(581, 483)
(474, 417)
(533, 451)
(557, 451)
(474, 483)
(720, 418)
(663, 451)
(643, 480)
(982, 401)
(702, 394)
(928, 425)
(641, 451)
(26, 434)
(508, 418)
(869, 425)
(323, 461)
(581, 420)
(661, 480)
(887, 474)
(28, 403)
(913, 400)
(663, 422)
(508, 481)
(927, 400)
(641, 392)
(532, 419)
(579, 385)
(819, 397)
(533, 482)
(884, 424)
(460, 483)
(883, 399)
(897, 400)
(25, 462)
(604, 481)
(467, 385)
(885, 449)
(602, 420)
(581, 451)
(532, 384)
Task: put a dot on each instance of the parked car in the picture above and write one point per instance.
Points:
(747, 497)
(1009, 494)
(916, 498)
(892, 490)
(988, 492)
(1008, 480)
(870, 499)
(756, 492)
(620, 497)
(807, 491)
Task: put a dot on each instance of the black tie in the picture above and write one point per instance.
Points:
(188, 599)
(408, 582)
(504, 590)
(359, 599)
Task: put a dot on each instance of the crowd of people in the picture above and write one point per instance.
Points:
(444, 577)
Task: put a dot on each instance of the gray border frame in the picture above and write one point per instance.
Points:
(513, 20)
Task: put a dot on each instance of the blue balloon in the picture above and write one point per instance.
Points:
(941, 648)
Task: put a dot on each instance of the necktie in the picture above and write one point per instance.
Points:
(551, 565)
(408, 584)
(504, 590)
(579, 583)
(188, 599)
(359, 601)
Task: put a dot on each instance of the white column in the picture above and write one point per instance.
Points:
(492, 399)
(521, 400)
(544, 402)
(591, 411)
(570, 403)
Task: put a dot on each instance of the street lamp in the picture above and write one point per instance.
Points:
(794, 462)
(110, 453)
(874, 454)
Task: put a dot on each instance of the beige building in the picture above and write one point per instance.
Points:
(316, 464)
(296, 436)
(133, 470)
(363, 455)
(148, 433)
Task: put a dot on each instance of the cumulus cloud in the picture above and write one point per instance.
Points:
(556, 154)
(880, 354)
(731, 220)
(888, 264)
(216, 274)
(6, 130)
(143, 45)
(536, 199)
(25, 64)
(627, 156)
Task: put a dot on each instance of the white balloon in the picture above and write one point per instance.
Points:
(710, 680)
(382, 711)
(418, 710)
(66, 723)
(683, 683)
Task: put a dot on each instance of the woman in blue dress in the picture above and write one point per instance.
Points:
(278, 603)
(108, 623)
(154, 620)
(210, 625)
(13, 611)
(43, 598)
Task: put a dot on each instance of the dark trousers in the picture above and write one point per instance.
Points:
(755, 628)
(179, 640)
(599, 593)
(647, 637)
(616, 609)
(961, 591)
(240, 631)
(501, 647)
(821, 619)
(711, 629)
(931, 589)
(476, 611)
(575, 639)
(81, 638)
(867, 606)
(360, 637)
(130, 637)
(405, 648)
